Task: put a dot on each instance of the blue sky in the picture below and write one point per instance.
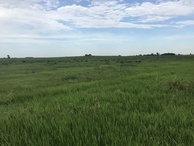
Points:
(54, 28)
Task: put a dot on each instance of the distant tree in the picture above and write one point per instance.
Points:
(88, 55)
(169, 54)
(8, 57)
(158, 54)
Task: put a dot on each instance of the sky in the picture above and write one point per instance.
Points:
(57, 28)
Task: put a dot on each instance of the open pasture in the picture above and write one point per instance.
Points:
(97, 101)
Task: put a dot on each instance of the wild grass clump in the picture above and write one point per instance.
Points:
(69, 78)
(7, 98)
(180, 85)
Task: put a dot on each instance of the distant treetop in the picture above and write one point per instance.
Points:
(168, 54)
(88, 55)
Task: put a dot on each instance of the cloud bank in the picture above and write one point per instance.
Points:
(48, 17)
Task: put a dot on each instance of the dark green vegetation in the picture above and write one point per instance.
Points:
(88, 101)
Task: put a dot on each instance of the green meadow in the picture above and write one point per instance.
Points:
(97, 101)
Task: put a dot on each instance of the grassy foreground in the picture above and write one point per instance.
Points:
(97, 101)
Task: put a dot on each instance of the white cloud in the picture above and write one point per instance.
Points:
(154, 18)
(28, 21)
(185, 23)
(163, 9)
(48, 16)
(187, 2)
(110, 14)
(44, 4)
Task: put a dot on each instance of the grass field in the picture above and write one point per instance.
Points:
(97, 101)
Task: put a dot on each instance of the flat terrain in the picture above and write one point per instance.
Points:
(97, 101)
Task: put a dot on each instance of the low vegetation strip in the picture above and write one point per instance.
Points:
(97, 101)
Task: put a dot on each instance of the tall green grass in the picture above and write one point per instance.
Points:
(97, 101)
